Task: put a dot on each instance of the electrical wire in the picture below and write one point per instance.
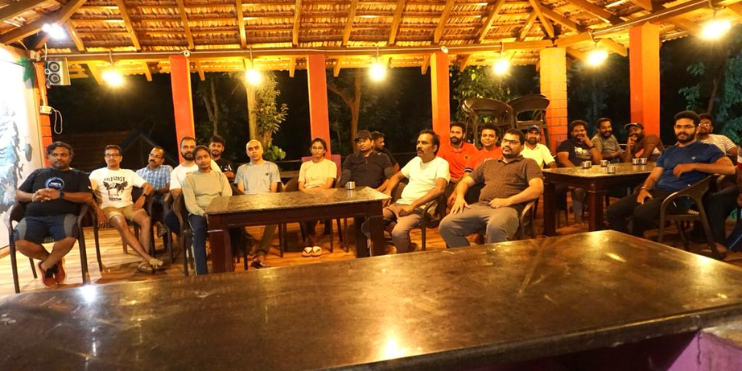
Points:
(58, 125)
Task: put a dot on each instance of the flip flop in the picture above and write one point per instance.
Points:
(307, 252)
(145, 268)
(316, 251)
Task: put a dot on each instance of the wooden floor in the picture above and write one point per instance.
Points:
(121, 267)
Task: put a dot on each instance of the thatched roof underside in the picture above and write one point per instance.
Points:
(220, 34)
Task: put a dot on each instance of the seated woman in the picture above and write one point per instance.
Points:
(319, 173)
(199, 189)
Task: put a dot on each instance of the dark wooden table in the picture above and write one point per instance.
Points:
(453, 309)
(288, 207)
(596, 181)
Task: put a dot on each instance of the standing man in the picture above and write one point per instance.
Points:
(605, 142)
(428, 176)
(640, 145)
(199, 189)
(112, 187)
(572, 152)
(509, 183)
(677, 167)
(537, 151)
(457, 152)
(706, 127)
(158, 175)
(216, 147)
(53, 196)
(379, 146)
(256, 177)
(367, 167)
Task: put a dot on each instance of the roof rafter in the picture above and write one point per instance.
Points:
(147, 72)
(336, 68)
(200, 70)
(597, 11)
(562, 20)
(59, 17)
(644, 4)
(538, 9)
(349, 22)
(15, 9)
(735, 9)
(613, 46)
(241, 22)
(186, 26)
(566, 41)
(96, 73)
(492, 11)
(529, 23)
(292, 66)
(442, 21)
(465, 62)
(426, 63)
(398, 11)
(297, 23)
(127, 21)
(74, 36)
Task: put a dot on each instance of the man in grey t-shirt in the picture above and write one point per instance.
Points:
(606, 142)
(258, 176)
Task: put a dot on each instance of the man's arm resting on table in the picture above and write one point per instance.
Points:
(563, 158)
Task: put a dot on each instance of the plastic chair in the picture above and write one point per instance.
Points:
(185, 238)
(502, 112)
(536, 105)
(428, 220)
(527, 221)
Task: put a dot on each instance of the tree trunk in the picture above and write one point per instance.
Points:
(251, 112)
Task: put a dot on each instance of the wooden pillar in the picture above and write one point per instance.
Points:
(439, 92)
(553, 77)
(180, 79)
(644, 69)
(319, 116)
(45, 127)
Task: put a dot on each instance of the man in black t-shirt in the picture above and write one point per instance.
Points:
(379, 146)
(53, 196)
(367, 167)
(572, 152)
(216, 148)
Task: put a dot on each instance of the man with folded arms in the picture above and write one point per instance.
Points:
(509, 183)
(368, 167)
(54, 195)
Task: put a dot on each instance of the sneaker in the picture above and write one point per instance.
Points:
(257, 264)
(47, 276)
(60, 276)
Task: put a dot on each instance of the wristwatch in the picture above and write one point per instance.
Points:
(61, 195)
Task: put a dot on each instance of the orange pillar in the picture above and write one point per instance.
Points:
(644, 69)
(45, 126)
(439, 92)
(319, 116)
(553, 77)
(180, 80)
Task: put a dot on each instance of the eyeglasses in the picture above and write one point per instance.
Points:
(705, 124)
(109, 155)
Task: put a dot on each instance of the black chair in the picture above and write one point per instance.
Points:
(16, 214)
(501, 112)
(185, 238)
(527, 221)
(291, 186)
(429, 220)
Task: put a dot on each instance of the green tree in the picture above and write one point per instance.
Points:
(269, 115)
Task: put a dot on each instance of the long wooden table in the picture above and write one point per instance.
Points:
(596, 181)
(275, 208)
(453, 309)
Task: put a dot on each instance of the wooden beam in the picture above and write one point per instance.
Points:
(562, 20)
(529, 23)
(537, 8)
(17, 8)
(613, 47)
(129, 27)
(336, 68)
(464, 62)
(398, 11)
(297, 23)
(426, 63)
(527, 45)
(598, 11)
(442, 21)
(186, 26)
(74, 36)
(492, 11)
(59, 17)
(96, 73)
(736, 10)
(349, 21)
(644, 4)
(566, 41)
(292, 67)
(687, 26)
(241, 22)
(200, 70)
(147, 72)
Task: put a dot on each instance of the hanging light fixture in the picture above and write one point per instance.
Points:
(111, 76)
(253, 76)
(597, 56)
(502, 64)
(54, 31)
(377, 72)
(715, 28)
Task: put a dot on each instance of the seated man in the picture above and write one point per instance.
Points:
(490, 149)
(112, 187)
(367, 168)
(572, 152)
(216, 147)
(428, 176)
(639, 145)
(199, 189)
(509, 183)
(258, 176)
(677, 167)
(705, 130)
(605, 142)
(537, 151)
(457, 152)
(54, 195)
(380, 146)
(158, 175)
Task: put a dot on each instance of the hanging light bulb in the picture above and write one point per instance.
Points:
(253, 77)
(715, 29)
(377, 72)
(501, 67)
(113, 77)
(54, 31)
(597, 57)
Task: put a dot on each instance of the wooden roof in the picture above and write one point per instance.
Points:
(221, 35)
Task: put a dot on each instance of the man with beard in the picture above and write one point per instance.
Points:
(677, 167)
(257, 177)
(639, 145)
(158, 175)
(457, 152)
(53, 196)
(379, 146)
(509, 183)
(216, 148)
(428, 176)
(706, 127)
(572, 152)
(367, 168)
(537, 151)
(199, 189)
(605, 142)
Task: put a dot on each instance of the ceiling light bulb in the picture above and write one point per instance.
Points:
(501, 67)
(54, 31)
(113, 77)
(715, 29)
(597, 57)
(377, 72)
(253, 77)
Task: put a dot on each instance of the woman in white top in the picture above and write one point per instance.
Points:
(319, 173)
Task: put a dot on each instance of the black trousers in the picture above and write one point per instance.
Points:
(642, 216)
(720, 205)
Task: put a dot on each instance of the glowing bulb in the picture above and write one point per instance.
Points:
(715, 29)
(253, 77)
(501, 67)
(377, 72)
(112, 77)
(54, 31)
(597, 57)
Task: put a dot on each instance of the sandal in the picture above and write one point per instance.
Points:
(146, 268)
(307, 252)
(316, 251)
(156, 264)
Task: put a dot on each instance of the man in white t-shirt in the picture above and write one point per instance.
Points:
(706, 127)
(537, 151)
(113, 203)
(428, 176)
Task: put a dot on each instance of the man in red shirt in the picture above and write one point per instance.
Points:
(457, 152)
(490, 149)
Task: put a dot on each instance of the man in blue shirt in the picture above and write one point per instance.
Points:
(678, 167)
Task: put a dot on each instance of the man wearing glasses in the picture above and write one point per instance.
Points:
(158, 175)
(706, 127)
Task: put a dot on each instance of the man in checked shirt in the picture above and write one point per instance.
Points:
(158, 175)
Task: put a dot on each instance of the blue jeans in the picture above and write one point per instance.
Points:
(200, 230)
